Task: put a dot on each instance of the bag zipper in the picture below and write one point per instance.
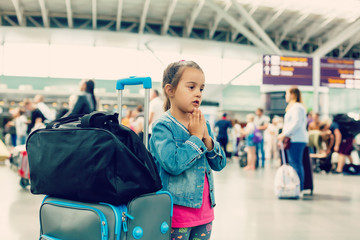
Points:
(117, 220)
(124, 216)
(104, 224)
(171, 199)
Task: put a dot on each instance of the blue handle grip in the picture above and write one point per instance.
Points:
(145, 81)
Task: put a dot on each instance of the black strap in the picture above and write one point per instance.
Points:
(86, 120)
(56, 123)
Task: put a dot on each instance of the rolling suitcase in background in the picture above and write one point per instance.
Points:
(242, 154)
(146, 217)
(287, 182)
(16, 155)
(308, 171)
(24, 170)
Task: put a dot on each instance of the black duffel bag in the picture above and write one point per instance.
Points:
(90, 158)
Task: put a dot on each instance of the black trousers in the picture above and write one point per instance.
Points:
(223, 143)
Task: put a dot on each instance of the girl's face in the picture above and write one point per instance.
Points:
(188, 94)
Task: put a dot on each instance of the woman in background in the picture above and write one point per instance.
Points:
(236, 136)
(21, 124)
(248, 132)
(295, 127)
(271, 146)
(84, 102)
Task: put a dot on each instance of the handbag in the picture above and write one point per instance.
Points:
(286, 142)
(257, 136)
(91, 159)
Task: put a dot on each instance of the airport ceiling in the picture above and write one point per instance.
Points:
(318, 28)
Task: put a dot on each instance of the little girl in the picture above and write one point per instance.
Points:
(250, 145)
(186, 152)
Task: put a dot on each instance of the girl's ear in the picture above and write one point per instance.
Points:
(169, 90)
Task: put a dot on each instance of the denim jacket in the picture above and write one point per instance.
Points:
(183, 160)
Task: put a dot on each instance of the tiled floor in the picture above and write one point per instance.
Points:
(246, 208)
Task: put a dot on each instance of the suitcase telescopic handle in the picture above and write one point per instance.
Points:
(146, 82)
(282, 153)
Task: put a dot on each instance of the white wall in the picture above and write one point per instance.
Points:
(67, 53)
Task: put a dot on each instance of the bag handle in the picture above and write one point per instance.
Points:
(56, 123)
(98, 119)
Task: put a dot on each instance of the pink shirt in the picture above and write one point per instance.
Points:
(191, 217)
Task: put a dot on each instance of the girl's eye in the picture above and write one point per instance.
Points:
(201, 89)
(191, 87)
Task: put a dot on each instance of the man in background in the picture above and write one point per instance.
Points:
(315, 124)
(344, 129)
(223, 125)
(37, 118)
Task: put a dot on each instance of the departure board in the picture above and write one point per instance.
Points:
(340, 73)
(286, 70)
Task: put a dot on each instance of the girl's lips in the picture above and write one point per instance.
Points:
(196, 103)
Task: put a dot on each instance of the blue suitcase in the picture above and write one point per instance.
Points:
(146, 217)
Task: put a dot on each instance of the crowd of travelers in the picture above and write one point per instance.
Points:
(331, 142)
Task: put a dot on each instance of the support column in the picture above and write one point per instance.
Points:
(316, 82)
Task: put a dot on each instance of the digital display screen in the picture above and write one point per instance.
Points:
(286, 70)
(275, 103)
(340, 73)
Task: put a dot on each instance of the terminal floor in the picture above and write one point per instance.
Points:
(246, 208)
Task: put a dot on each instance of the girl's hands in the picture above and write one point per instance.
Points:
(206, 138)
(196, 124)
(206, 132)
